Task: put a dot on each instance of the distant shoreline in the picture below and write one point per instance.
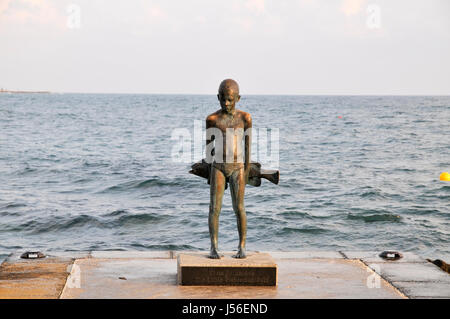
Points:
(11, 91)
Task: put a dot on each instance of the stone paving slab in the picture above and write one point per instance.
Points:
(276, 254)
(157, 278)
(14, 258)
(69, 254)
(305, 254)
(132, 254)
(329, 278)
(122, 278)
(373, 257)
(424, 289)
(33, 278)
(411, 272)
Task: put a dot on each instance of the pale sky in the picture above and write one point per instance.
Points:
(189, 46)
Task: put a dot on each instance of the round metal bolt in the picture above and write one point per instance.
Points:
(391, 255)
(32, 255)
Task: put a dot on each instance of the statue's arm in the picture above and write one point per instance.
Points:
(209, 139)
(248, 144)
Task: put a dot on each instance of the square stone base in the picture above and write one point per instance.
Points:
(258, 269)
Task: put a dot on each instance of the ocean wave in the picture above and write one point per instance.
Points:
(54, 224)
(25, 171)
(59, 224)
(164, 246)
(407, 170)
(13, 205)
(11, 247)
(82, 180)
(372, 194)
(382, 217)
(146, 183)
(139, 219)
(420, 211)
(115, 213)
(369, 193)
(303, 230)
(295, 214)
(95, 164)
(5, 213)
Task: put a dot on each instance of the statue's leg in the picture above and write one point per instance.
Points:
(215, 205)
(237, 188)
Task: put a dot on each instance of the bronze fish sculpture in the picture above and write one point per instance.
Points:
(203, 169)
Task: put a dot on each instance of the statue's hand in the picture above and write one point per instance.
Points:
(246, 175)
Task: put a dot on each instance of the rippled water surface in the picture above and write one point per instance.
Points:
(94, 172)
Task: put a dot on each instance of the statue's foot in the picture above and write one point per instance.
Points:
(213, 254)
(240, 253)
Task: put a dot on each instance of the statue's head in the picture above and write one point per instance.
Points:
(228, 95)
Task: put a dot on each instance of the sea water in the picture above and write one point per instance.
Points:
(97, 172)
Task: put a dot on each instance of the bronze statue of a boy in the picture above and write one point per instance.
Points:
(226, 130)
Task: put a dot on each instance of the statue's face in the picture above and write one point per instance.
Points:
(228, 99)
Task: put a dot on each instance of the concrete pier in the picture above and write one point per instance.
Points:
(153, 274)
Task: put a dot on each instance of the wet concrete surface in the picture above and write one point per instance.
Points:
(33, 279)
(300, 275)
(153, 274)
(413, 275)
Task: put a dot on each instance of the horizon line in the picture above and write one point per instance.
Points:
(212, 94)
(27, 91)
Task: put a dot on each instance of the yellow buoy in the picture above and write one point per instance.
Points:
(445, 177)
